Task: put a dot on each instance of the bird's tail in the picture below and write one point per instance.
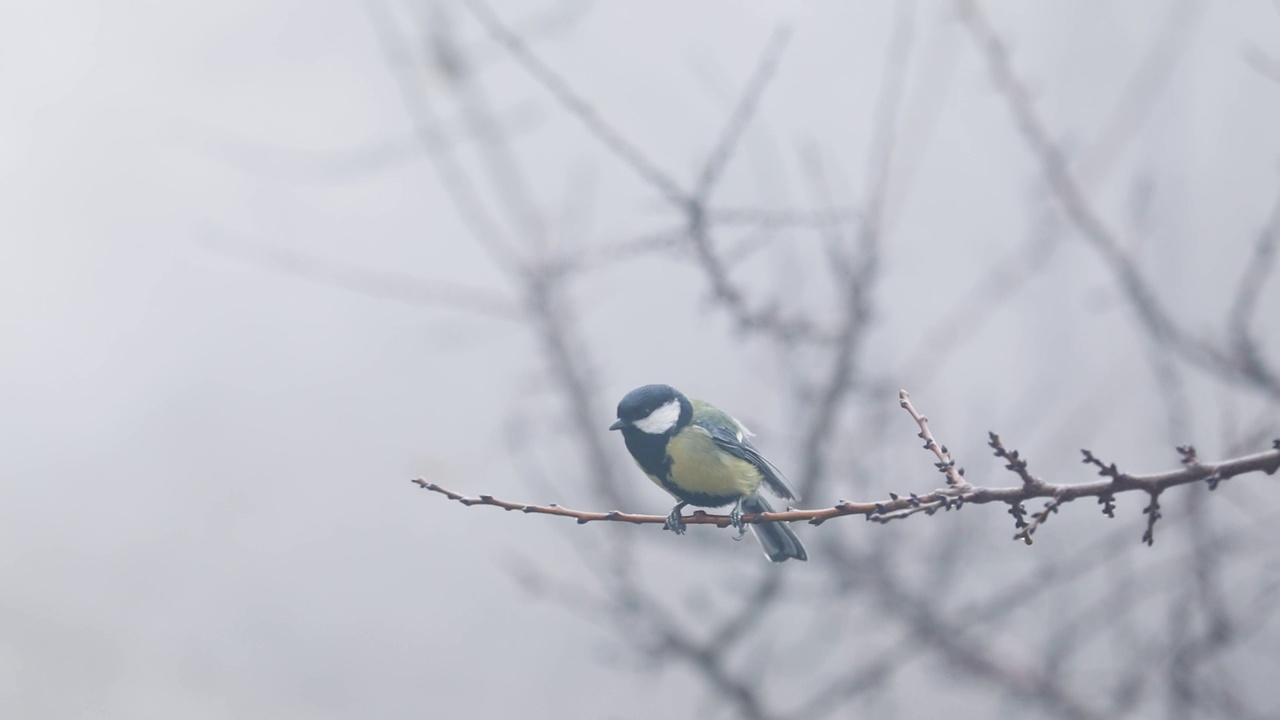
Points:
(777, 538)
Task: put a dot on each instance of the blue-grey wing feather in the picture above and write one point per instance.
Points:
(739, 446)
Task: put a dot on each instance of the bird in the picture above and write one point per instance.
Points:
(703, 456)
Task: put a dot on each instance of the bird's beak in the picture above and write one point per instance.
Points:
(618, 424)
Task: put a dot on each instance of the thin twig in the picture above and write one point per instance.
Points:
(946, 464)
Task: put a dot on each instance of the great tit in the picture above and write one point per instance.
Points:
(701, 455)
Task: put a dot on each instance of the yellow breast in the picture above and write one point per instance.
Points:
(699, 466)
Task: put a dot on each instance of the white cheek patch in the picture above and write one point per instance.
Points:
(660, 420)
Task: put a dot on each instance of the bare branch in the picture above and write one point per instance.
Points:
(951, 497)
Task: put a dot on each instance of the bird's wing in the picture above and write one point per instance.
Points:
(734, 441)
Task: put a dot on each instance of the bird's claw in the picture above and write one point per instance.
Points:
(735, 519)
(674, 522)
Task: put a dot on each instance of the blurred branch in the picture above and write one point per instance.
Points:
(633, 612)
(968, 655)
(1256, 272)
(1264, 64)
(782, 218)
(1140, 295)
(1143, 87)
(761, 222)
(695, 208)
(574, 103)
(733, 130)
(539, 276)
(1006, 277)
(570, 366)
(965, 317)
(870, 676)
(401, 287)
(767, 318)
(957, 494)
(692, 204)
(429, 128)
(709, 662)
(858, 275)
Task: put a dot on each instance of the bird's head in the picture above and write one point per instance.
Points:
(654, 410)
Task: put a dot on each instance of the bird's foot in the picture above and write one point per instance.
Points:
(735, 519)
(674, 522)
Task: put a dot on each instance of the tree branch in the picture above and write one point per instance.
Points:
(958, 492)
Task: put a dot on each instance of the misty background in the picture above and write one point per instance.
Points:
(262, 263)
